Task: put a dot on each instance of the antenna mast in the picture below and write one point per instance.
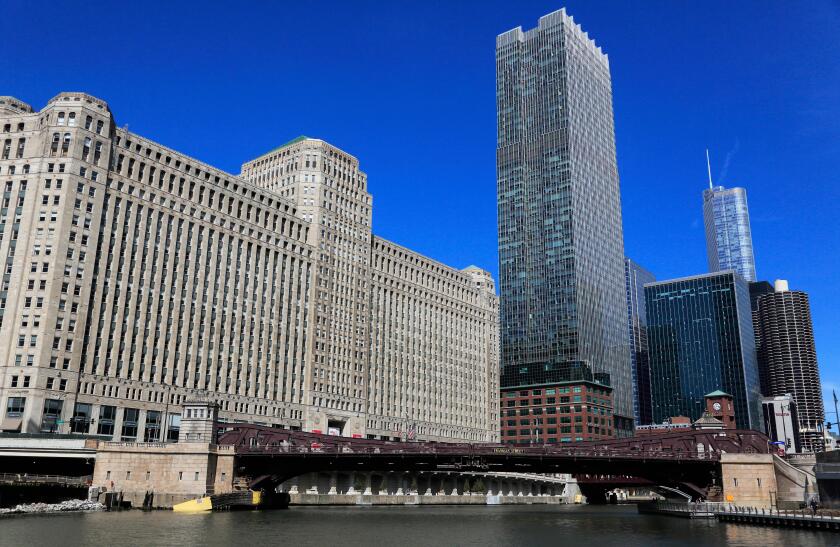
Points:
(709, 168)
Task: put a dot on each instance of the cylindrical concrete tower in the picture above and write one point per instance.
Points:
(790, 358)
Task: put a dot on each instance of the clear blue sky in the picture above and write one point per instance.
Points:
(408, 87)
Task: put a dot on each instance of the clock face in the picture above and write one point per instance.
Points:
(716, 406)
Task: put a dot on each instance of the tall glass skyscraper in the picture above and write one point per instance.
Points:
(728, 236)
(700, 339)
(561, 249)
(635, 278)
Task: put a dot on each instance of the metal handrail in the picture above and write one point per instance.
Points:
(51, 479)
(802, 514)
(295, 448)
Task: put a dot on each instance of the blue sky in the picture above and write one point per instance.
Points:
(408, 87)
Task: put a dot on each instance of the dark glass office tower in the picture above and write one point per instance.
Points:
(635, 278)
(561, 250)
(700, 339)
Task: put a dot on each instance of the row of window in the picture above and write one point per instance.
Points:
(7, 148)
(69, 119)
(30, 361)
(553, 431)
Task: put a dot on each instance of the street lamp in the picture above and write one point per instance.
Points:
(530, 426)
(784, 427)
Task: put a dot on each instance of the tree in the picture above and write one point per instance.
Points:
(479, 486)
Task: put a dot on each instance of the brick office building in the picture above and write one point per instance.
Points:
(547, 403)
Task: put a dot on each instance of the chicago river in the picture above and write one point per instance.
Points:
(604, 526)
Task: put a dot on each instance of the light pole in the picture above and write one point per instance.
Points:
(531, 426)
(164, 426)
(836, 416)
(784, 427)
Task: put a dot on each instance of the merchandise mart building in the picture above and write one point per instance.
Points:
(136, 277)
(561, 250)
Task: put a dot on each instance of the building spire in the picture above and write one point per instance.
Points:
(709, 168)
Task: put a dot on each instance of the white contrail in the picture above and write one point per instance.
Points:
(729, 155)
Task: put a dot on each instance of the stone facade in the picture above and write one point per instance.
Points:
(407, 341)
(748, 479)
(174, 472)
(136, 277)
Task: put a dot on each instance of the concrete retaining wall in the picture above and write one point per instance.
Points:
(421, 499)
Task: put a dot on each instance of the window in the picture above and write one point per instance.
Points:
(129, 429)
(81, 418)
(152, 431)
(106, 420)
(52, 413)
(15, 407)
(174, 428)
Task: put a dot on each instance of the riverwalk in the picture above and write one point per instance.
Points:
(726, 512)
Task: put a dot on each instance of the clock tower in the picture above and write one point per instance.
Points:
(719, 405)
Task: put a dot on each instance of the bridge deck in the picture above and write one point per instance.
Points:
(699, 445)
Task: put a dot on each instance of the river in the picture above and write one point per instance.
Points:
(601, 526)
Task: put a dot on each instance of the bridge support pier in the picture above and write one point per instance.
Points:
(367, 491)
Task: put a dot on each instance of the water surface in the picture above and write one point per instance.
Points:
(601, 526)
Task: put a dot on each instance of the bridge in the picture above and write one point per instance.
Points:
(689, 460)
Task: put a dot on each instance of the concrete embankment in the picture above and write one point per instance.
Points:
(422, 499)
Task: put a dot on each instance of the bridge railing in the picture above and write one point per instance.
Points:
(805, 514)
(420, 449)
(45, 479)
(689, 507)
